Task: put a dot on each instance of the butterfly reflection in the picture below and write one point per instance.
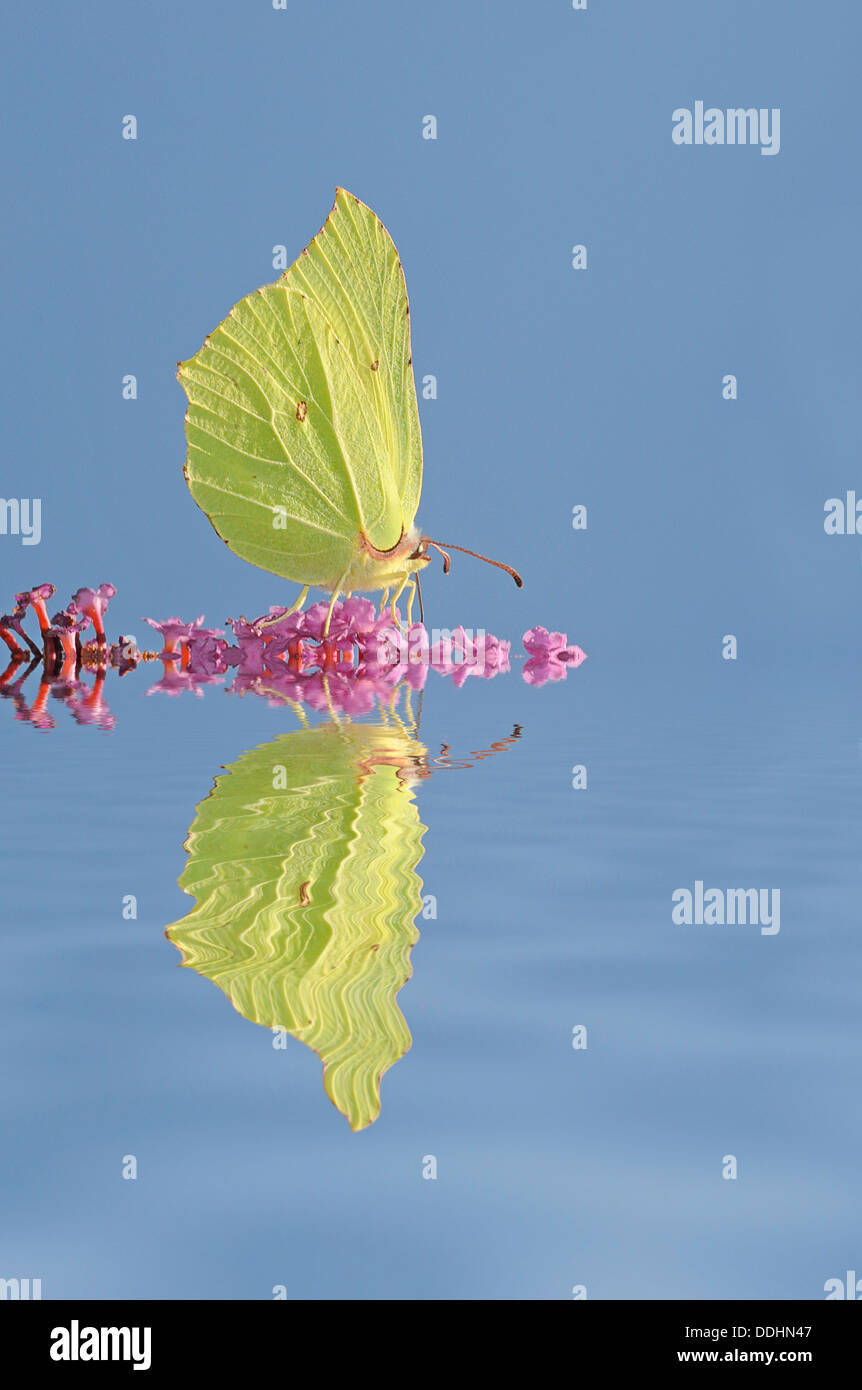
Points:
(303, 862)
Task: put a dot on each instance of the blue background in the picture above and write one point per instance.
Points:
(556, 387)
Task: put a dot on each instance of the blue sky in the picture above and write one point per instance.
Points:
(555, 387)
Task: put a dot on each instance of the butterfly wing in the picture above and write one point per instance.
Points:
(352, 272)
(306, 897)
(303, 428)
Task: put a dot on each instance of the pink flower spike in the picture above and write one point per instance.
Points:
(37, 598)
(550, 658)
(359, 616)
(94, 603)
(66, 629)
(249, 655)
(495, 656)
(279, 622)
(314, 621)
(207, 652)
(7, 637)
(12, 622)
(572, 656)
(174, 630)
(66, 638)
(538, 641)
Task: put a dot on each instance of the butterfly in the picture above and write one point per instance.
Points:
(304, 444)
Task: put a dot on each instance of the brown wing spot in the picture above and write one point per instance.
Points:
(375, 364)
(304, 895)
(301, 411)
(410, 361)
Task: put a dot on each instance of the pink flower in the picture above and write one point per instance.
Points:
(13, 622)
(359, 615)
(279, 625)
(460, 654)
(314, 621)
(174, 630)
(66, 629)
(550, 658)
(207, 653)
(6, 631)
(249, 655)
(37, 598)
(94, 603)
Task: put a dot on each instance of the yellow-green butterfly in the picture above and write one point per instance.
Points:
(304, 446)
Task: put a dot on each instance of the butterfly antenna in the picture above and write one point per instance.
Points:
(498, 564)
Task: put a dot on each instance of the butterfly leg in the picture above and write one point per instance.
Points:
(332, 602)
(270, 622)
(410, 597)
(384, 601)
(299, 602)
(396, 596)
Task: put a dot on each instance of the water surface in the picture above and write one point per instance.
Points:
(555, 1166)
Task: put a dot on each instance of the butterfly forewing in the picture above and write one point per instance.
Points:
(303, 430)
(352, 271)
